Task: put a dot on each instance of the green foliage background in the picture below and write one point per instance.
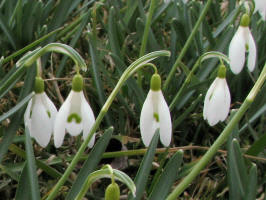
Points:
(108, 36)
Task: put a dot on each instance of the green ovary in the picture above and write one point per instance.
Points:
(74, 116)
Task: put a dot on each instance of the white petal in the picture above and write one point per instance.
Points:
(41, 126)
(217, 110)
(252, 52)
(148, 124)
(227, 101)
(164, 121)
(237, 51)
(88, 120)
(260, 6)
(27, 118)
(74, 128)
(207, 98)
(50, 107)
(60, 122)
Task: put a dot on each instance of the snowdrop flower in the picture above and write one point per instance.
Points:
(40, 115)
(217, 100)
(260, 6)
(155, 114)
(75, 115)
(242, 41)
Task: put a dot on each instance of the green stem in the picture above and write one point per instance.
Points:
(187, 44)
(128, 72)
(221, 139)
(146, 34)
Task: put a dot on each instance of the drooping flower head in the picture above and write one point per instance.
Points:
(217, 100)
(40, 114)
(155, 114)
(241, 43)
(75, 115)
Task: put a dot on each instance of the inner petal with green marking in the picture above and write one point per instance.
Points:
(74, 116)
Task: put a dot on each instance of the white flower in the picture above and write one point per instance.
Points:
(242, 41)
(74, 116)
(260, 6)
(217, 102)
(39, 118)
(155, 114)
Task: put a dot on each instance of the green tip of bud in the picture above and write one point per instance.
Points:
(112, 192)
(77, 83)
(245, 20)
(221, 71)
(156, 82)
(38, 85)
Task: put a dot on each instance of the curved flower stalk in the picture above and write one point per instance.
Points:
(217, 100)
(40, 115)
(75, 115)
(260, 6)
(241, 42)
(155, 114)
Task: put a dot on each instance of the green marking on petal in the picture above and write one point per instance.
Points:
(74, 116)
(48, 113)
(156, 116)
(247, 47)
(210, 96)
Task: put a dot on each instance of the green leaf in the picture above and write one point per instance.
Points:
(8, 171)
(90, 164)
(23, 189)
(236, 172)
(31, 169)
(167, 178)
(145, 168)
(252, 183)
(17, 107)
(7, 32)
(112, 34)
(10, 132)
(258, 146)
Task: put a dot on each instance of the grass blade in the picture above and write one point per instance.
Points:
(23, 191)
(31, 169)
(145, 168)
(16, 108)
(90, 164)
(167, 178)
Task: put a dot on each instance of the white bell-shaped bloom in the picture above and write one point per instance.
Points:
(39, 118)
(155, 114)
(74, 116)
(217, 102)
(260, 6)
(241, 42)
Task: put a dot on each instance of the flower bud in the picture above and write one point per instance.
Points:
(112, 192)
(77, 83)
(38, 85)
(155, 82)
